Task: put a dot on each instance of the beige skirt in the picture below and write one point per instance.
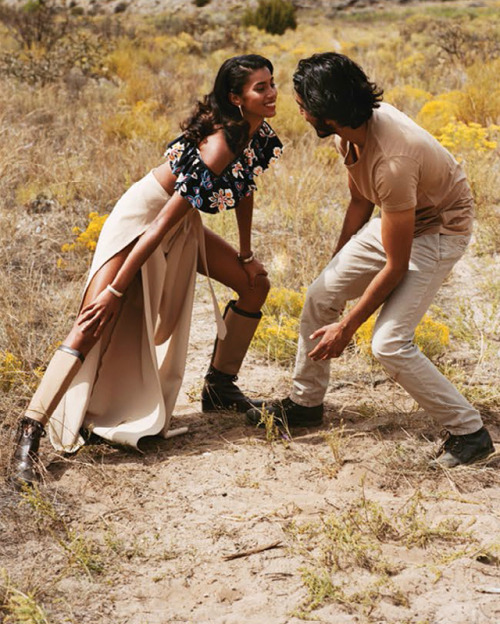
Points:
(128, 385)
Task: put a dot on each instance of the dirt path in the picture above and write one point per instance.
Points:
(129, 538)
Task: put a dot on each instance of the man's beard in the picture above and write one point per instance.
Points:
(323, 130)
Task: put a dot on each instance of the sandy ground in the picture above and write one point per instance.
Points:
(117, 536)
(143, 538)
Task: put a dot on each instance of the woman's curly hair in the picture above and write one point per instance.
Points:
(216, 111)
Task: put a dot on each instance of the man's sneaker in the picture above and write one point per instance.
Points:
(464, 449)
(287, 413)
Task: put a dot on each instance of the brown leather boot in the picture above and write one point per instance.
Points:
(62, 368)
(25, 459)
(220, 391)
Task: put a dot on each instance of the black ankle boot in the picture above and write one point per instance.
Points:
(24, 470)
(287, 413)
(221, 393)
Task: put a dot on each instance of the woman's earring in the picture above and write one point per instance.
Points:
(241, 110)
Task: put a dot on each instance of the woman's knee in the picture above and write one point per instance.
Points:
(257, 293)
(262, 286)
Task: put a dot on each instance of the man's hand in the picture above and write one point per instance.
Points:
(334, 339)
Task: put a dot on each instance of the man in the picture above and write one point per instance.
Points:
(398, 259)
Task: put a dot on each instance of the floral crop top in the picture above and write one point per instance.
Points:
(213, 193)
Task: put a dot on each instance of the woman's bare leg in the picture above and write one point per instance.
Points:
(68, 358)
(224, 266)
(62, 369)
(84, 341)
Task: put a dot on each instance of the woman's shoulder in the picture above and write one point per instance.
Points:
(215, 152)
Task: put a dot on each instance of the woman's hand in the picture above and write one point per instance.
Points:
(96, 315)
(254, 269)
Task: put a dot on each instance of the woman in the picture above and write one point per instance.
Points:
(119, 370)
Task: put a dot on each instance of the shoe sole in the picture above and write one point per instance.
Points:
(435, 463)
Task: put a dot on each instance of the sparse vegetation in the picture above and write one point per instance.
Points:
(87, 104)
(273, 16)
(277, 334)
(355, 539)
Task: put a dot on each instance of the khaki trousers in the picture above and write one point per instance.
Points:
(346, 277)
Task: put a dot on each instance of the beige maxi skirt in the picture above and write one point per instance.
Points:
(128, 385)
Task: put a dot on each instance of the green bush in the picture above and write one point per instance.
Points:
(201, 3)
(273, 16)
(36, 23)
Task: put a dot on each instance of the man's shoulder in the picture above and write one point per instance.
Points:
(396, 135)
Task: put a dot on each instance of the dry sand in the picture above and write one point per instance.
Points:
(162, 522)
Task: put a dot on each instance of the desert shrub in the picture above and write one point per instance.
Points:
(480, 99)
(289, 120)
(50, 44)
(278, 332)
(273, 16)
(10, 369)
(201, 3)
(462, 41)
(460, 137)
(86, 240)
(438, 112)
(431, 336)
(483, 173)
(139, 121)
(78, 50)
(38, 23)
(407, 98)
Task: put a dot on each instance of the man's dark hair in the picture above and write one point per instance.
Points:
(332, 86)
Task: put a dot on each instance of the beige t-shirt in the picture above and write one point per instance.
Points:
(402, 166)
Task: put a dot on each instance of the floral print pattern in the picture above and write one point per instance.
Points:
(213, 193)
(222, 200)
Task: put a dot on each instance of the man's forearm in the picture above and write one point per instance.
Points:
(374, 296)
(357, 214)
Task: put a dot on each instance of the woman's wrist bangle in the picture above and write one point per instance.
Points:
(250, 258)
(115, 292)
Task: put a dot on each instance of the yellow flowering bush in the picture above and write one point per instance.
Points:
(458, 136)
(431, 336)
(436, 113)
(407, 98)
(10, 369)
(289, 122)
(86, 240)
(139, 121)
(407, 67)
(278, 332)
